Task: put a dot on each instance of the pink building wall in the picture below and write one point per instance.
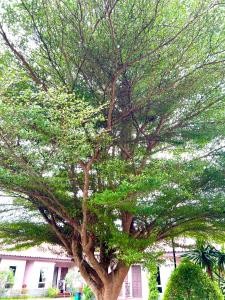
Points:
(29, 266)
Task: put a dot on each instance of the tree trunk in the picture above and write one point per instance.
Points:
(209, 271)
(110, 292)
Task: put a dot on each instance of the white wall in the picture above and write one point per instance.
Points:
(28, 272)
(144, 284)
(20, 268)
(165, 271)
(32, 280)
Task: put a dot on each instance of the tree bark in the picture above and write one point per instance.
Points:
(109, 292)
(209, 271)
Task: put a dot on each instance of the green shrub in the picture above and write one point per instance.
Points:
(88, 294)
(189, 282)
(152, 281)
(6, 277)
(52, 292)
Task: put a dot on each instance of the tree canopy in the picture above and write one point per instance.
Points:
(109, 113)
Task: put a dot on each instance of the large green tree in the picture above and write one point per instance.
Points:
(104, 107)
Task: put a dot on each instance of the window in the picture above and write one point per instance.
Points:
(42, 279)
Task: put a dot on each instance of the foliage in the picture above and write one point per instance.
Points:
(6, 277)
(219, 268)
(152, 281)
(70, 278)
(52, 292)
(203, 255)
(210, 259)
(73, 280)
(188, 281)
(220, 261)
(87, 292)
(109, 115)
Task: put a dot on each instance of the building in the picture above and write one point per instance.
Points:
(35, 270)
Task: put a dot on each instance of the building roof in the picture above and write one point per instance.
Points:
(44, 253)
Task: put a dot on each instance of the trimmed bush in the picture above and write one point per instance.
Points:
(189, 282)
(52, 292)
